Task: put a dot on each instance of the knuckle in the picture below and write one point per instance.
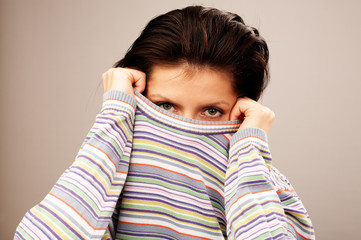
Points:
(268, 112)
(107, 72)
(273, 115)
(104, 76)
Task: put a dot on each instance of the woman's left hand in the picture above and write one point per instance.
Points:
(253, 114)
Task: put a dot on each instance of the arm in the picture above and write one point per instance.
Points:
(260, 202)
(81, 203)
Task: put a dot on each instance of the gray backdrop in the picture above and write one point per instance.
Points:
(53, 54)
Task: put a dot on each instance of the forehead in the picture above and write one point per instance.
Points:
(184, 76)
(190, 86)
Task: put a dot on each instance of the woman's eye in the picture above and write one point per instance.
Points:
(213, 112)
(166, 106)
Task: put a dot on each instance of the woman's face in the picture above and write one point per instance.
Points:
(201, 94)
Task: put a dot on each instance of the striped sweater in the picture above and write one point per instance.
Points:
(145, 173)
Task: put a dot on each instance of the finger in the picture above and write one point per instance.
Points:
(235, 113)
(105, 81)
(241, 108)
(139, 80)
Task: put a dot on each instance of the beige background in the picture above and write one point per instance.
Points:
(54, 52)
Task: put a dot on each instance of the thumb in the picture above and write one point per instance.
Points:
(238, 110)
(138, 80)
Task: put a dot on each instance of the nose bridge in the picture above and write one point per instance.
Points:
(188, 113)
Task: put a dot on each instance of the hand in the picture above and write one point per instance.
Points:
(124, 79)
(253, 114)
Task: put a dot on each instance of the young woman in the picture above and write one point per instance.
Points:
(179, 150)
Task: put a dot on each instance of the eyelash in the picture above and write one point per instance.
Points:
(216, 109)
(219, 111)
(159, 104)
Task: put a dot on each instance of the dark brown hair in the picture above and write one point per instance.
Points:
(206, 37)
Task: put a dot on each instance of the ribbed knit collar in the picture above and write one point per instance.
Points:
(185, 124)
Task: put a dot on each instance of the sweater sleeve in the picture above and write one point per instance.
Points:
(260, 201)
(82, 201)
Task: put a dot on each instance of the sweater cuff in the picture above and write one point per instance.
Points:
(119, 95)
(249, 132)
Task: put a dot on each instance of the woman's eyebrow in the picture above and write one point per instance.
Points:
(157, 95)
(215, 103)
(221, 102)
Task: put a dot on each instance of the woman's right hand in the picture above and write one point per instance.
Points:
(252, 114)
(124, 79)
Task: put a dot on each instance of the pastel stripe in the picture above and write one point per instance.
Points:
(145, 173)
(81, 204)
